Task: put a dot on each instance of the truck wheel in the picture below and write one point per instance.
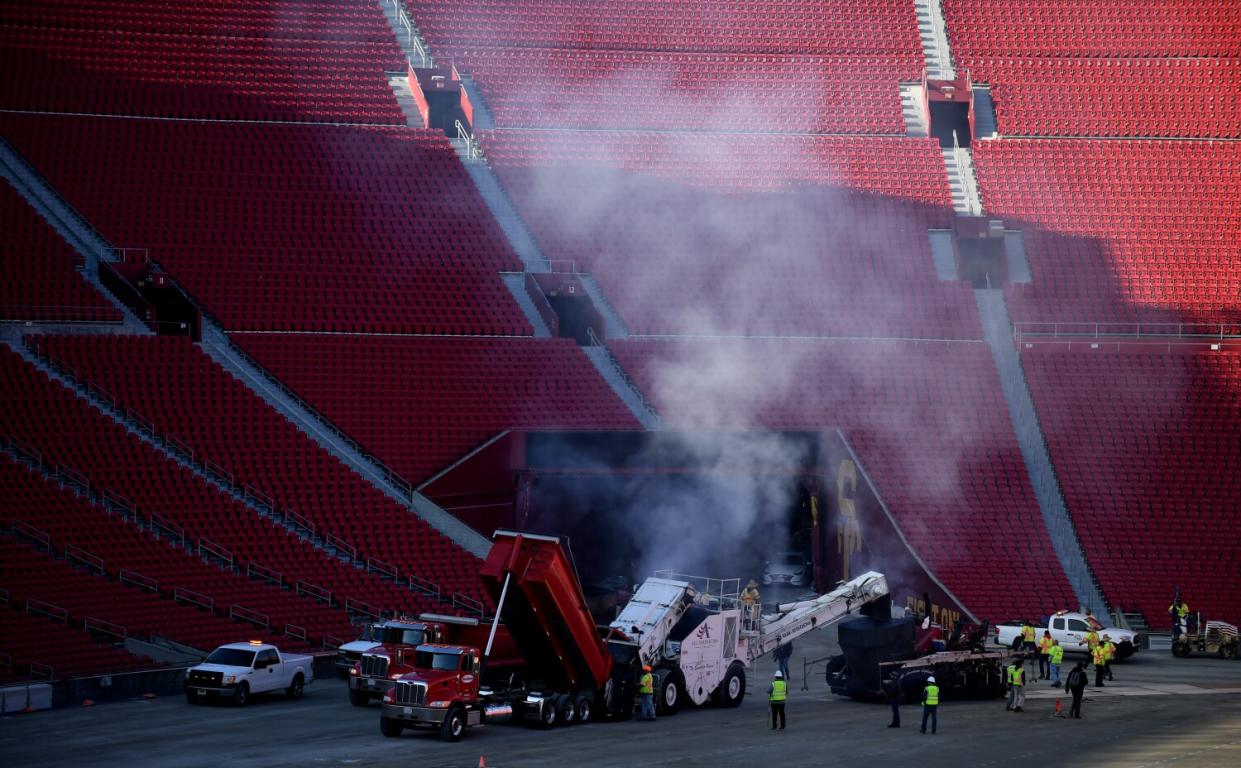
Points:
(389, 727)
(454, 724)
(549, 714)
(732, 690)
(190, 697)
(1125, 650)
(835, 666)
(1180, 649)
(242, 695)
(358, 699)
(295, 691)
(566, 709)
(669, 691)
(585, 708)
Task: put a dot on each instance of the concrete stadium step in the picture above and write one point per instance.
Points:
(998, 331)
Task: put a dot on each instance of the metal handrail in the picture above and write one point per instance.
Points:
(1111, 330)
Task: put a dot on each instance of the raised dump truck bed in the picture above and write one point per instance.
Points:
(538, 595)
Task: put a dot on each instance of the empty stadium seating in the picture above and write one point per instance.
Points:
(1146, 447)
(56, 649)
(765, 27)
(420, 403)
(554, 88)
(37, 579)
(1138, 97)
(928, 421)
(64, 431)
(38, 277)
(290, 227)
(1122, 231)
(107, 544)
(811, 235)
(1085, 28)
(183, 393)
(255, 60)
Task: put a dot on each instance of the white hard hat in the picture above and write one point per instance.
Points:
(779, 673)
(931, 679)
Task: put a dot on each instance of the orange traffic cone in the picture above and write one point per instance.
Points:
(1058, 707)
(482, 762)
(87, 703)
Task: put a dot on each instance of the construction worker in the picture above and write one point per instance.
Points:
(930, 705)
(782, 654)
(1044, 655)
(1180, 615)
(892, 689)
(646, 694)
(1016, 686)
(1055, 658)
(1027, 638)
(750, 603)
(1098, 657)
(1092, 639)
(1109, 653)
(777, 694)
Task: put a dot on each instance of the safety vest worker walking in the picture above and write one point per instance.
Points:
(777, 694)
(1044, 655)
(1099, 658)
(1056, 657)
(646, 694)
(930, 705)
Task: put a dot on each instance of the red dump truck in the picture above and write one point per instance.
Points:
(695, 639)
(397, 640)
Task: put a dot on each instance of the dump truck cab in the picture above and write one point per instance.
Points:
(391, 657)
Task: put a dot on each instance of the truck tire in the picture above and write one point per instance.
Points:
(242, 695)
(1181, 649)
(358, 698)
(295, 690)
(731, 690)
(566, 709)
(1125, 650)
(669, 691)
(585, 707)
(389, 727)
(190, 697)
(549, 715)
(453, 726)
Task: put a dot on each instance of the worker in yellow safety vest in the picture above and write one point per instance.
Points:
(646, 694)
(1056, 658)
(1016, 686)
(750, 603)
(1109, 654)
(1098, 657)
(930, 704)
(777, 694)
(1180, 613)
(1092, 639)
(1027, 638)
(1044, 653)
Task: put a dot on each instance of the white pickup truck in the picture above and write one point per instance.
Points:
(1070, 629)
(238, 671)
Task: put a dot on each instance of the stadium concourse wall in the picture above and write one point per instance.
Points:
(512, 480)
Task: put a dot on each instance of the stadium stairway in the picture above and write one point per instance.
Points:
(217, 345)
(75, 230)
(933, 30)
(998, 331)
(624, 386)
(199, 470)
(516, 284)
